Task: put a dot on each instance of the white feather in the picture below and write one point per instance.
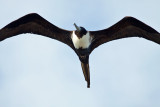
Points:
(83, 42)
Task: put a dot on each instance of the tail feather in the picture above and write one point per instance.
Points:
(86, 72)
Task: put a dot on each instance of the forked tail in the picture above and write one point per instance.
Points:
(86, 72)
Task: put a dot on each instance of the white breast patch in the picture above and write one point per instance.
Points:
(83, 42)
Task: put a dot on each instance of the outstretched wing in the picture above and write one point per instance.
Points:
(34, 23)
(127, 27)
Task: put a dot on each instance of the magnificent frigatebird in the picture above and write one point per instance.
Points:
(83, 42)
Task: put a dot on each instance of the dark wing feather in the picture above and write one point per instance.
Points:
(34, 23)
(127, 27)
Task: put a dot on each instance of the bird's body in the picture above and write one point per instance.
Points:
(83, 42)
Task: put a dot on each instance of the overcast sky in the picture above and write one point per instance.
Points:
(36, 71)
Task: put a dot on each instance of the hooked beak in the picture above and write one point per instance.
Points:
(78, 28)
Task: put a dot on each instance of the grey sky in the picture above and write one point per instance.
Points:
(36, 71)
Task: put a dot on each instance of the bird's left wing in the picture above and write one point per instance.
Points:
(34, 23)
(127, 27)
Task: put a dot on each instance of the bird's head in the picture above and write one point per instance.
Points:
(80, 31)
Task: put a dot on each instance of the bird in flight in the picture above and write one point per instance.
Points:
(83, 42)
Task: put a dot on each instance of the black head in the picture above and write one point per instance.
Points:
(80, 31)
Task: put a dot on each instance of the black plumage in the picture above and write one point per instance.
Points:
(34, 23)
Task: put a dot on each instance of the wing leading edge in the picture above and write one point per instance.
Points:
(34, 23)
(127, 27)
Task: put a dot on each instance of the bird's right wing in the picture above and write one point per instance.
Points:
(34, 23)
(127, 27)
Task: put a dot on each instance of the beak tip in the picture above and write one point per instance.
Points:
(76, 27)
